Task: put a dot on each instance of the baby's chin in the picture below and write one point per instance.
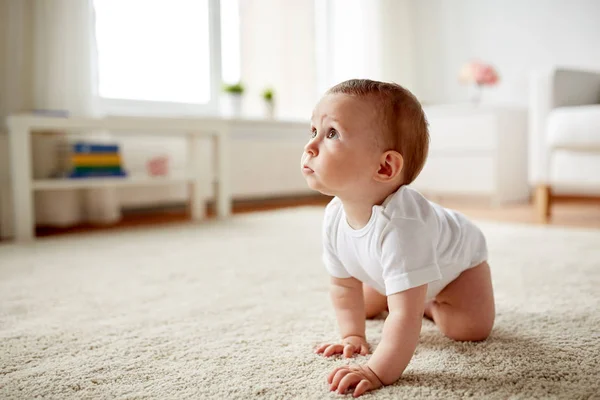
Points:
(317, 186)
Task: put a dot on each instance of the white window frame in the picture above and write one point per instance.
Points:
(111, 106)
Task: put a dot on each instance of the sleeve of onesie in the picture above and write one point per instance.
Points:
(408, 256)
(332, 263)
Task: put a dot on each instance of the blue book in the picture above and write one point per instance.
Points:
(99, 174)
(86, 148)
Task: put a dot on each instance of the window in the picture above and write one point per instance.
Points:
(164, 56)
(230, 41)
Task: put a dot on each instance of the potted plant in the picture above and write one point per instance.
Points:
(233, 98)
(269, 102)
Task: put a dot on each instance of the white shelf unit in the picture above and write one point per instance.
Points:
(23, 186)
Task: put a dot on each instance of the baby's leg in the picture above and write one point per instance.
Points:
(375, 302)
(464, 310)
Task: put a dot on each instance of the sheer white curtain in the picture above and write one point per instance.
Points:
(365, 39)
(65, 79)
(15, 86)
(48, 63)
(303, 47)
(278, 50)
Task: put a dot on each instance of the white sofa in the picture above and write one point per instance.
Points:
(564, 134)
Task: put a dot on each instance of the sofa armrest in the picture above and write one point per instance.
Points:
(549, 89)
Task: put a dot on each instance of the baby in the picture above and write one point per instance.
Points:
(386, 246)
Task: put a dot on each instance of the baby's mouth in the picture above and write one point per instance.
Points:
(305, 168)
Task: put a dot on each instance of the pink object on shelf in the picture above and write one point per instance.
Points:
(479, 73)
(158, 166)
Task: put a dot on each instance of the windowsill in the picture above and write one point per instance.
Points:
(146, 109)
(243, 119)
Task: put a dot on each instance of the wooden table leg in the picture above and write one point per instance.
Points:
(542, 203)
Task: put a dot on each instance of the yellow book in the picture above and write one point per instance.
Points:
(96, 159)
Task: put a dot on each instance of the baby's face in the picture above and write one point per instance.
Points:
(341, 156)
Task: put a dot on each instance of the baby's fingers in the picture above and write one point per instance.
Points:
(364, 350)
(348, 381)
(332, 373)
(362, 387)
(349, 350)
(322, 348)
(333, 349)
(337, 378)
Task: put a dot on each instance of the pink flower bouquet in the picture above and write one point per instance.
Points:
(479, 73)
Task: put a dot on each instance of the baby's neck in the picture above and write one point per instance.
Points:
(358, 210)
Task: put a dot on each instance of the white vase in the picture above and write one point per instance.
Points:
(269, 108)
(232, 105)
(476, 92)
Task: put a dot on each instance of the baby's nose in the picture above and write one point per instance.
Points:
(311, 148)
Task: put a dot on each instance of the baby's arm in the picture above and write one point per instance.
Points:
(347, 297)
(400, 334)
(348, 302)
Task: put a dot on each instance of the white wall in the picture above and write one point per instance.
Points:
(514, 35)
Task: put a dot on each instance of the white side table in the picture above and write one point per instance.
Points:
(476, 150)
(23, 185)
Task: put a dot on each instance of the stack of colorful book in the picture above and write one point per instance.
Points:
(90, 160)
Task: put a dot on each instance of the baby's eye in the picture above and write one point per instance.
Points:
(332, 134)
(313, 133)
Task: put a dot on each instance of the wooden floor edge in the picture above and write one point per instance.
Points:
(178, 213)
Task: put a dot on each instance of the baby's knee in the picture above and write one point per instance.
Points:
(469, 332)
(468, 335)
(476, 335)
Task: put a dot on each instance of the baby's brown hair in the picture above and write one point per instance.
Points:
(404, 123)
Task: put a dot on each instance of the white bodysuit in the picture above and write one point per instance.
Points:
(409, 241)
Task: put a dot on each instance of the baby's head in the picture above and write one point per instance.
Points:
(366, 135)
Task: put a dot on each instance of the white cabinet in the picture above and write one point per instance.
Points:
(476, 150)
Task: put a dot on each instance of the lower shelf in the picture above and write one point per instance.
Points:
(85, 183)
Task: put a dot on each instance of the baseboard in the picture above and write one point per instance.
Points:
(239, 204)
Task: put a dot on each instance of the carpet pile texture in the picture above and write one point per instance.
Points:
(233, 309)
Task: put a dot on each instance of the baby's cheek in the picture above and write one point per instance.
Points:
(343, 175)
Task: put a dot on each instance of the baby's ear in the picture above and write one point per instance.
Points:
(390, 166)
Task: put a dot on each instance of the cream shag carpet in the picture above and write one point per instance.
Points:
(232, 309)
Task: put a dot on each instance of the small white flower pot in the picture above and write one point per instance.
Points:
(232, 105)
(269, 108)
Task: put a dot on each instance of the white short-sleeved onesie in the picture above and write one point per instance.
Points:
(409, 241)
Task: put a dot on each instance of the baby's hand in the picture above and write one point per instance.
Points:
(349, 346)
(359, 377)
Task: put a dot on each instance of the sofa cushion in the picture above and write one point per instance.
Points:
(574, 128)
